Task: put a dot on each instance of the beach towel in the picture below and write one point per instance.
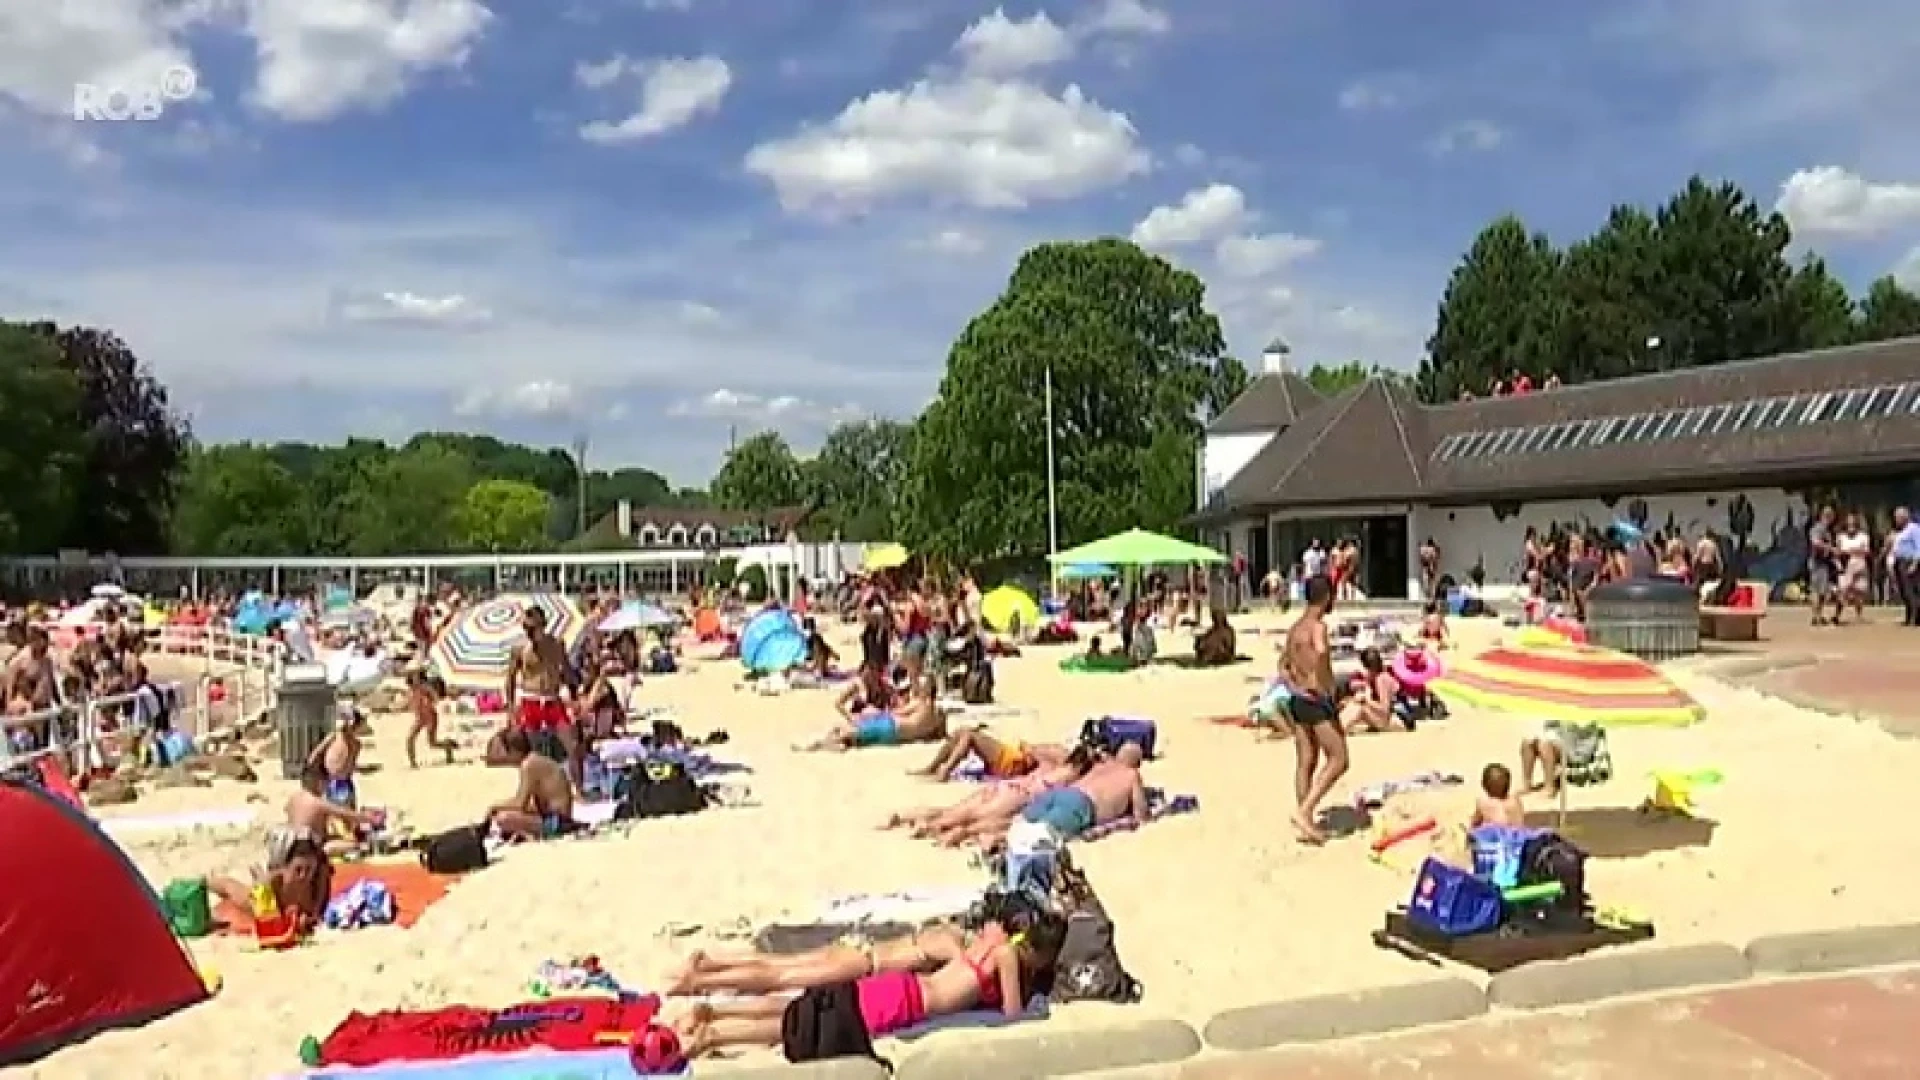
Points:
(603, 1064)
(1375, 796)
(1161, 804)
(563, 1024)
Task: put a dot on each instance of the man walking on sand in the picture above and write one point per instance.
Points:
(1319, 744)
(536, 679)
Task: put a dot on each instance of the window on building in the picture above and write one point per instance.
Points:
(1660, 425)
(677, 535)
(1528, 440)
(706, 536)
(649, 534)
(1444, 451)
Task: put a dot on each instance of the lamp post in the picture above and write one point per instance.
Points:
(580, 484)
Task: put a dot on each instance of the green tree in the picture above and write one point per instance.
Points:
(405, 502)
(1332, 380)
(1607, 287)
(135, 445)
(1228, 381)
(1723, 279)
(759, 474)
(42, 452)
(238, 500)
(1816, 308)
(1133, 354)
(503, 515)
(1887, 311)
(1499, 314)
(856, 478)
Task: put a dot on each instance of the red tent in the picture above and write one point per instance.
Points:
(84, 946)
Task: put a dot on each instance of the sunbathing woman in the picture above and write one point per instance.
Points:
(923, 951)
(996, 972)
(1004, 758)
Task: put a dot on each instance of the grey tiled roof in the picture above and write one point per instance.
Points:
(1270, 402)
(1372, 445)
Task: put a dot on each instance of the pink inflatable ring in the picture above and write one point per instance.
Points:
(1415, 668)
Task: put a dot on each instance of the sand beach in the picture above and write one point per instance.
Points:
(1214, 909)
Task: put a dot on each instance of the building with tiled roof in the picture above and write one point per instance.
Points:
(1673, 449)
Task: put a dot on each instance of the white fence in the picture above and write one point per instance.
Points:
(237, 678)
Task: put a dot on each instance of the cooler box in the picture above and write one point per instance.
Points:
(1113, 732)
(1452, 902)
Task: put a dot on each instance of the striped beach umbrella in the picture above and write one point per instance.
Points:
(1570, 683)
(473, 651)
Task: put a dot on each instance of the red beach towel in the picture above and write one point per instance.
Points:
(558, 1024)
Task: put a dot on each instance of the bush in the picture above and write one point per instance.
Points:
(756, 578)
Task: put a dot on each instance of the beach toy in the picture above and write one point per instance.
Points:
(1673, 790)
(1406, 832)
(1414, 668)
(1533, 894)
(212, 980)
(310, 1052)
(272, 928)
(656, 1050)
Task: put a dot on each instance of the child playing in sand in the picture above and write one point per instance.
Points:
(995, 973)
(424, 694)
(1497, 804)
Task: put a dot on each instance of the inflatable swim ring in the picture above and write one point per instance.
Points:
(1415, 668)
(1272, 701)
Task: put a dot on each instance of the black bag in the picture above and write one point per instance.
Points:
(658, 789)
(456, 851)
(1550, 857)
(1088, 968)
(824, 1023)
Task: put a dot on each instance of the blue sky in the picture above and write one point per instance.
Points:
(655, 220)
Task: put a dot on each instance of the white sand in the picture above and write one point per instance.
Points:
(1215, 909)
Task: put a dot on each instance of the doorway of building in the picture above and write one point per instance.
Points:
(1383, 557)
(1259, 555)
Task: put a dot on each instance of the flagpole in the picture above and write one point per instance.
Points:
(1053, 502)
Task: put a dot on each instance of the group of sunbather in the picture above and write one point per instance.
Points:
(1070, 791)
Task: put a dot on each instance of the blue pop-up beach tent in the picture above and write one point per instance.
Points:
(772, 641)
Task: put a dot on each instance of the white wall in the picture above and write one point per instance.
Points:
(1223, 456)
(1470, 534)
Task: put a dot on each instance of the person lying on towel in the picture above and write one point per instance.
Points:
(869, 692)
(989, 974)
(1113, 789)
(988, 812)
(912, 719)
(1004, 758)
(923, 952)
(542, 803)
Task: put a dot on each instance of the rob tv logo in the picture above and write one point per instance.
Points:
(133, 103)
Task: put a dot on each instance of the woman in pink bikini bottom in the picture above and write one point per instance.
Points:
(996, 973)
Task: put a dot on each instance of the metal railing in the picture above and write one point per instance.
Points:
(246, 667)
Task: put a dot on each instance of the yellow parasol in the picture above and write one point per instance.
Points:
(1572, 683)
(885, 557)
(1006, 604)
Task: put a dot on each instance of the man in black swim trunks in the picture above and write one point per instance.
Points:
(1319, 743)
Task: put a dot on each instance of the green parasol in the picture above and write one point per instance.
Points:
(1137, 547)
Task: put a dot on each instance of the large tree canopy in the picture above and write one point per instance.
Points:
(760, 474)
(1703, 279)
(42, 451)
(1133, 355)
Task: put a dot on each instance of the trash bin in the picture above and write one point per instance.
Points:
(305, 715)
(1655, 619)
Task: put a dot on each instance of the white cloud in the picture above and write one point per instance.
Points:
(1376, 94)
(780, 411)
(1471, 136)
(957, 242)
(1828, 200)
(998, 45)
(45, 48)
(540, 399)
(1252, 255)
(673, 93)
(1907, 271)
(1129, 18)
(448, 311)
(973, 141)
(1202, 216)
(319, 60)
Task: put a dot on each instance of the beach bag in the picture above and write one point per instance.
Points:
(1453, 903)
(1110, 733)
(1088, 967)
(825, 1023)
(188, 910)
(659, 789)
(1550, 857)
(456, 851)
(976, 688)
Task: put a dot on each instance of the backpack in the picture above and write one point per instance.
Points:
(1088, 968)
(1552, 857)
(456, 851)
(658, 789)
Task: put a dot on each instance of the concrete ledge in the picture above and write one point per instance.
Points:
(1823, 951)
(1585, 979)
(1340, 1016)
(837, 1069)
(1037, 1055)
